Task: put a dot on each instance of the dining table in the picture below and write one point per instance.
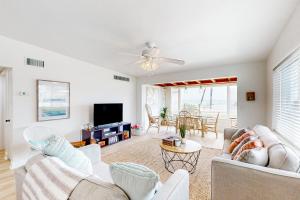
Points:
(193, 123)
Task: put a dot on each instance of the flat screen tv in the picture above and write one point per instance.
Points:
(108, 113)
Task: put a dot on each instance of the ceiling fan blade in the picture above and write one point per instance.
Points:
(171, 60)
(129, 54)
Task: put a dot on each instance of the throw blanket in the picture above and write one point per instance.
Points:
(50, 179)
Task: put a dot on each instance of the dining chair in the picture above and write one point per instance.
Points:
(154, 121)
(211, 124)
(185, 118)
(170, 122)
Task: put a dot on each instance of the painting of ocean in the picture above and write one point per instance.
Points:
(53, 100)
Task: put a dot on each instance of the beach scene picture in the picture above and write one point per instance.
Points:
(53, 100)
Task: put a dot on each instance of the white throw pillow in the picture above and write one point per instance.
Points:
(282, 157)
(266, 135)
(138, 181)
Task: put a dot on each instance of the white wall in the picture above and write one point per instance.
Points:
(251, 77)
(288, 41)
(89, 84)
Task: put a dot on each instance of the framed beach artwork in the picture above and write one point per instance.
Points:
(53, 100)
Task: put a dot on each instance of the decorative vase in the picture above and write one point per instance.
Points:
(183, 140)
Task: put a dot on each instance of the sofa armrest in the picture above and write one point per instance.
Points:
(237, 180)
(175, 188)
(93, 152)
(228, 133)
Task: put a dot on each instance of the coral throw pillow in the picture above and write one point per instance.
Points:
(238, 140)
(249, 145)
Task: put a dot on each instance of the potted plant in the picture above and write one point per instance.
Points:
(163, 115)
(182, 130)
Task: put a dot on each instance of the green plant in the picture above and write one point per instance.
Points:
(182, 130)
(163, 113)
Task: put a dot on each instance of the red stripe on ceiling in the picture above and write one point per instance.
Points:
(168, 84)
(179, 83)
(233, 79)
(206, 81)
(221, 80)
(192, 82)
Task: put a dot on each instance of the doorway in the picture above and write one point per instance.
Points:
(5, 111)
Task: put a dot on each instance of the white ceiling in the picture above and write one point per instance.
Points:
(202, 32)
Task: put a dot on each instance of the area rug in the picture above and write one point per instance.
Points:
(146, 151)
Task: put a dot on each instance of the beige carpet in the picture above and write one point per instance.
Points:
(145, 150)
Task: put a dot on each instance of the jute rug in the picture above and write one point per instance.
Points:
(146, 151)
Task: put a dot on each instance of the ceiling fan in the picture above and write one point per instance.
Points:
(150, 59)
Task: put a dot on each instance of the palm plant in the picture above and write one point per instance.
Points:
(163, 113)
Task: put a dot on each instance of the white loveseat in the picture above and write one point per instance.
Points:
(175, 188)
(241, 181)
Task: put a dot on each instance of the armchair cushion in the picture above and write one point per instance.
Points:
(138, 181)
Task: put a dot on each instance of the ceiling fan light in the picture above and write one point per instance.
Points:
(149, 66)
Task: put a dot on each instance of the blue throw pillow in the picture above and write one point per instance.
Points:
(59, 147)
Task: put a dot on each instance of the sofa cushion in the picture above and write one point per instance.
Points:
(256, 156)
(238, 133)
(59, 147)
(138, 181)
(249, 145)
(239, 146)
(238, 140)
(282, 157)
(266, 135)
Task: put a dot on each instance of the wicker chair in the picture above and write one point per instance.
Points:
(154, 121)
(170, 123)
(211, 124)
(185, 118)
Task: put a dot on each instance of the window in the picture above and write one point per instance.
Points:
(174, 101)
(232, 95)
(216, 98)
(219, 99)
(286, 98)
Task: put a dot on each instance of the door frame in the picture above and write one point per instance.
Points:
(7, 114)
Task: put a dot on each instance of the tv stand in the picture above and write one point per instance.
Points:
(107, 134)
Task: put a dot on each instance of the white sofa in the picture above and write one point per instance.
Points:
(175, 188)
(241, 181)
